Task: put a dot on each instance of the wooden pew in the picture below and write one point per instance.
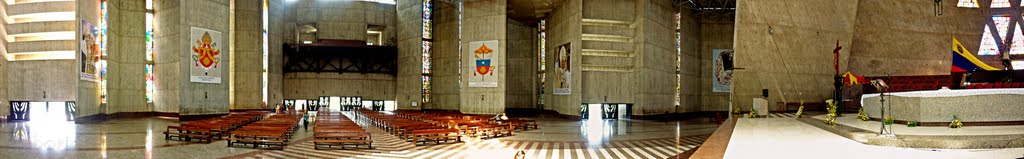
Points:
(335, 129)
(272, 132)
(435, 135)
(207, 129)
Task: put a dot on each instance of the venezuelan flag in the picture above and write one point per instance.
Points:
(964, 60)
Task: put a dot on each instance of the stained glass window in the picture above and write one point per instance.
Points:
(1000, 4)
(150, 86)
(427, 47)
(968, 3)
(988, 41)
(426, 89)
(1017, 47)
(427, 9)
(103, 51)
(541, 54)
(150, 53)
(149, 37)
(1001, 25)
(459, 64)
(266, 49)
(679, 50)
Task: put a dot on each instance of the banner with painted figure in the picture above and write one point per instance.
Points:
(563, 76)
(721, 78)
(485, 57)
(205, 55)
(89, 52)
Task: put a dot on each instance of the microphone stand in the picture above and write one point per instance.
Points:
(883, 131)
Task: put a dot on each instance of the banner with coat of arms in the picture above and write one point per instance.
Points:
(485, 58)
(205, 56)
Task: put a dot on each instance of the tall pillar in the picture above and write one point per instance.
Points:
(126, 58)
(275, 57)
(247, 63)
(410, 41)
(484, 20)
(176, 91)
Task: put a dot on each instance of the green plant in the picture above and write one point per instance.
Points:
(800, 111)
(956, 122)
(888, 120)
(830, 118)
(912, 124)
(862, 115)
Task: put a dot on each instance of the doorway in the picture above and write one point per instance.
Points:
(594, 111)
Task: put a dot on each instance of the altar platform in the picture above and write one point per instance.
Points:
(967, 137)
(974, 107)
(810, 138)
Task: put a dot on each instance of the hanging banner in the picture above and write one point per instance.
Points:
(205, 53)
(563, 75)
(721, 78)
(485, 58)
(89, 52)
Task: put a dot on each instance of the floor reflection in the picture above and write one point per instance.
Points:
(48, 129)
(598, 131)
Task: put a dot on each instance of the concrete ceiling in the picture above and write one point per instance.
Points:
(531, 10)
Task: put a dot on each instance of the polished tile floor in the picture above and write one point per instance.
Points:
(556, 138)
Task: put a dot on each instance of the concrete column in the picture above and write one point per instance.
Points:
(87, 96)
(522, 65)
(564, 26)
(276, 57)
(247, 63)
(410, 41)
(445, 57)
(484, 20)
(655, 93)
(176, 94)
(126, 47)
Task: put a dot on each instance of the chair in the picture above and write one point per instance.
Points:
(997, 85)
(972, 86)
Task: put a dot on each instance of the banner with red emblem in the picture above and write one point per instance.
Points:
(484, 62)
(205, 53)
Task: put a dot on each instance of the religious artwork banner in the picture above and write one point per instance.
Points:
(721, 79)
(485, 58)
(563, 75)
(89, 52)
(205, 53)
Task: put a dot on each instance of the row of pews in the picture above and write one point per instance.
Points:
(335, 129)
(471, 125)
(207, 129)
(272, 132)
(410, 130)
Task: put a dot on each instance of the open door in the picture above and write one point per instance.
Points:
(610, 111)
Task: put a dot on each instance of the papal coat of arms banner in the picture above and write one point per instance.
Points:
(485, 57)
(205, 56)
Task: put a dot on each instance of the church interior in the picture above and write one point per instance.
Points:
(522, 79)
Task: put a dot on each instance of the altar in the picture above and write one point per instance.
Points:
(992, 106)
